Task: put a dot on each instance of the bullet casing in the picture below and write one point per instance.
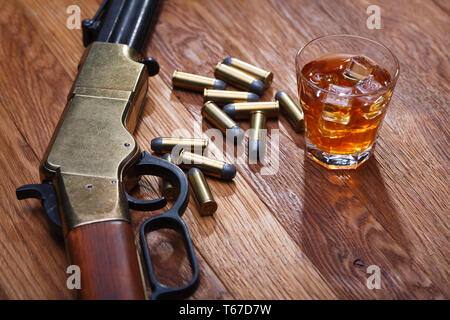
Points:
(168, 190)
(195, 82)
(257, 136)
(244, 110)
(263, 75)
(222, 97)
(291, 110)
(205, 200)
(221, 120)
(166, 144)
(212, 167)
(238, 78)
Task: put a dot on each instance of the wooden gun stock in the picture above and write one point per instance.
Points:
(107, 257)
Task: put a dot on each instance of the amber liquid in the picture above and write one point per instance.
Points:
(345, 118)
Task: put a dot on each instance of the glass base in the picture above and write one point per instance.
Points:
(337, 161)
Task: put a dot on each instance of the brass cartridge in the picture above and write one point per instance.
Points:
(195, 82)
(203, 196)
(238, 78)
(221, 120)
(263, 75)
(212, 167)
(222, 97)
(291, 110)
(257, 136)
(168, 190)
(166, 144)
(244, 110)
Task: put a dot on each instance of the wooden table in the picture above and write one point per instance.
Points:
(303, 233)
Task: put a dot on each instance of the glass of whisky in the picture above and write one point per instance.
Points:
(345, 84)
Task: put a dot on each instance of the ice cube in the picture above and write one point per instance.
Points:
(331, 129)
(336, 107)
(324, 79)
(373, 109)
(359, 68)
(368, 85)
(338, 95)
(336, 114)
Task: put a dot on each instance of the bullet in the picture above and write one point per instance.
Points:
(263, 75)
(291, 110)
(244, 110)
(221, 97)
(238, 78)
(257, 137)
(166, 144)
(195, 82)
(212, 167)
(221, 120)
(203, 196)
(168, 190)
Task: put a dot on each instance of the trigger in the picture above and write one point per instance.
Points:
(146, 205)
(45, 192)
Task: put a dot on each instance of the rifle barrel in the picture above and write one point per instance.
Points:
(127, 22)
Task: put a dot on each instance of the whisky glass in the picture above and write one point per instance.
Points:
(345, 83)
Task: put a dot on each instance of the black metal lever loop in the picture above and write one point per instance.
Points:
(150, 165)
(170, 219)
(145, 205)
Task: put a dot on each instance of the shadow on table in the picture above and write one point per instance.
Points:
(348, 222)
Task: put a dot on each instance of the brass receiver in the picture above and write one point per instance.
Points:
(93, 144)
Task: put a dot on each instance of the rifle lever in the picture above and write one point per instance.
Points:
(171, 219)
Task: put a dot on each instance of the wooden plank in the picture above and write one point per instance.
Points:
(35, 108)
(309, 232)
(30, 248)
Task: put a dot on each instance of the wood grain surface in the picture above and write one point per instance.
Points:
(302, 233)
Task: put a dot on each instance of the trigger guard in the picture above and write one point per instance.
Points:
(151, 165)
(146, 205)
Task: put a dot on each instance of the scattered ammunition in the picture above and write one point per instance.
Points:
(263, 75)
(222, 97)
(244, 110)
(205, 200)
(291, 110)
(212, 167)
(168, 190)
(221, 120)
(257, 137)
(163, 145)
(238, 78)
(195, 82)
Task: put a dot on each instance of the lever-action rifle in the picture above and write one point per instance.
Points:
(92, 154)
